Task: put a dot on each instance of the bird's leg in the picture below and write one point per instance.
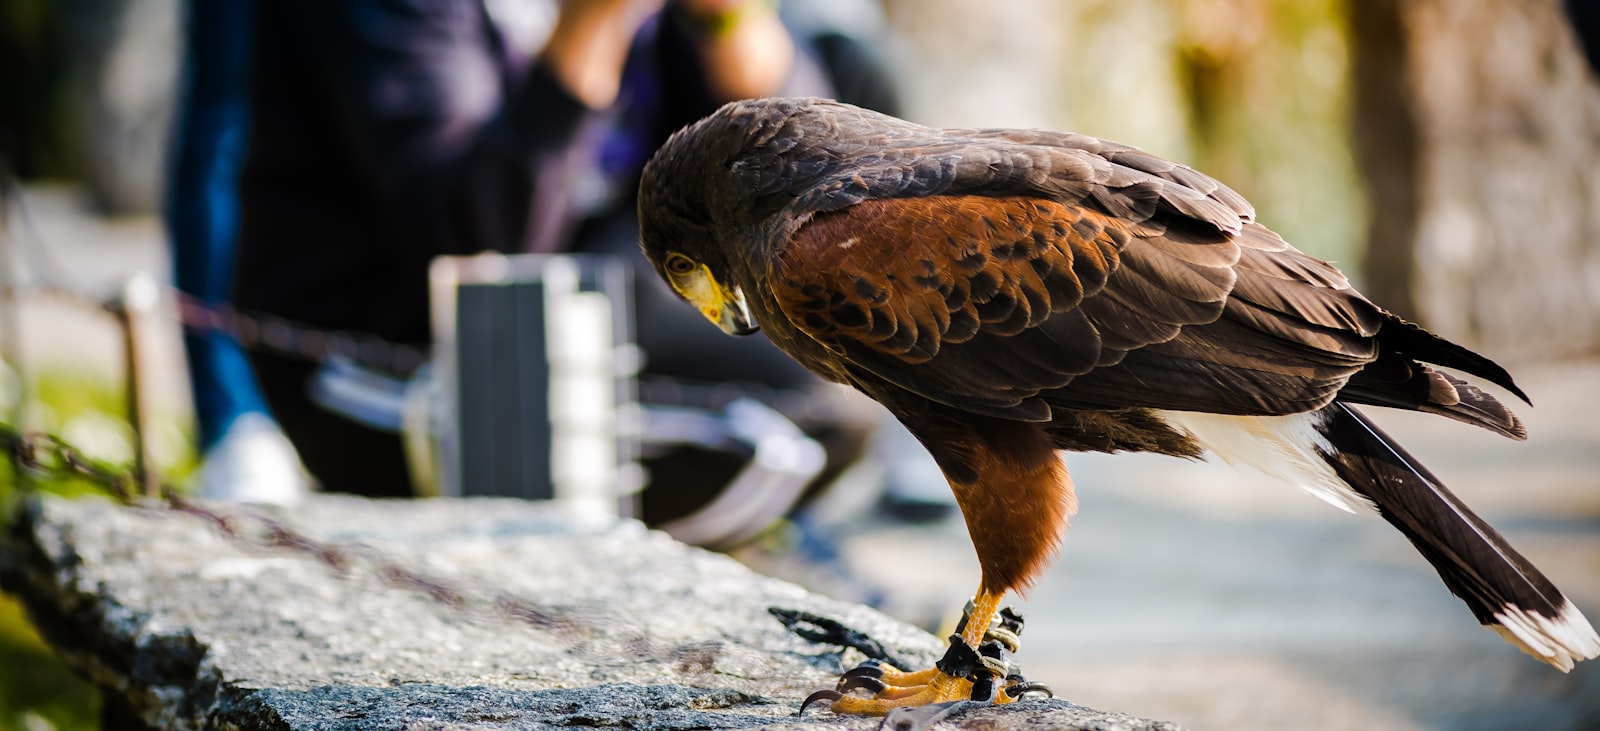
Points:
(963, 657)
(976, 669)
(1015, 496)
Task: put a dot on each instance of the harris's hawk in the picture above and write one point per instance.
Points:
(1009, 293)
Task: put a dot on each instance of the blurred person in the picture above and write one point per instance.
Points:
(245, 456)
(370, 136)
(688, 363)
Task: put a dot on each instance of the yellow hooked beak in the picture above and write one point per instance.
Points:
(721, 305)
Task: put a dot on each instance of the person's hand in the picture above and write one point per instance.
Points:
(722, 15)
(589, 45)
(744, 47)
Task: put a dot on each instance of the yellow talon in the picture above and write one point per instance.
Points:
(964, 678)
(893, 688)
(942, 688)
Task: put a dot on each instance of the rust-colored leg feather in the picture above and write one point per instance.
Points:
(1016, 496)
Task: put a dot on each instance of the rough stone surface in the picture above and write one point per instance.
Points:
(524, 620)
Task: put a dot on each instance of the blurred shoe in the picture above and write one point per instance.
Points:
(253, 463)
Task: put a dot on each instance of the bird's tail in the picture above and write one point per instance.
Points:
(1503, 590)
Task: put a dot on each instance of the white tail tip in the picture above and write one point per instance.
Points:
(1561, 641)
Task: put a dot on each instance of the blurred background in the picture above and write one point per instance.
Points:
(1446, 154)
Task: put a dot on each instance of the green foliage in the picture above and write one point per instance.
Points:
(1255, 93)
(1268, 97)
(37, 690)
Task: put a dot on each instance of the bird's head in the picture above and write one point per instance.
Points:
(719, 298)
(722, 196)
(689, 253)
(701, 221)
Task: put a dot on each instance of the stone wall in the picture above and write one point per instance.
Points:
(468, 614)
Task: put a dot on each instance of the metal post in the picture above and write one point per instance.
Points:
(139, 299)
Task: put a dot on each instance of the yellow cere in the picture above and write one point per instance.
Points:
(702, 291)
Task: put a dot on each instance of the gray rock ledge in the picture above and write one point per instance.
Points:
(458, 614)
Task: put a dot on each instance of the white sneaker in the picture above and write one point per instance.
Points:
(254, 463)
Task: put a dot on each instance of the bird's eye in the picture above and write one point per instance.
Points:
(679, 264)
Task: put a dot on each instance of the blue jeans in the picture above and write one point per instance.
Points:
(202, 211)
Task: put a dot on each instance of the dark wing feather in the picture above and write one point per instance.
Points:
(1009, 306)
(1023, 271)
(1290, 335)
(796, 171)
(963, 300)
(1162, 185)
(994, 301)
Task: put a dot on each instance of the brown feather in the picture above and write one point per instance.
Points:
(1012, 487)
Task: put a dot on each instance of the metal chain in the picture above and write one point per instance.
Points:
(293, 339)
(253, 331)
(49, 456)
(44, 453)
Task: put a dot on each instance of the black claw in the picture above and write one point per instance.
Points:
(868, 669)
(851, 682)
(1018, 690)
(821, 695)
